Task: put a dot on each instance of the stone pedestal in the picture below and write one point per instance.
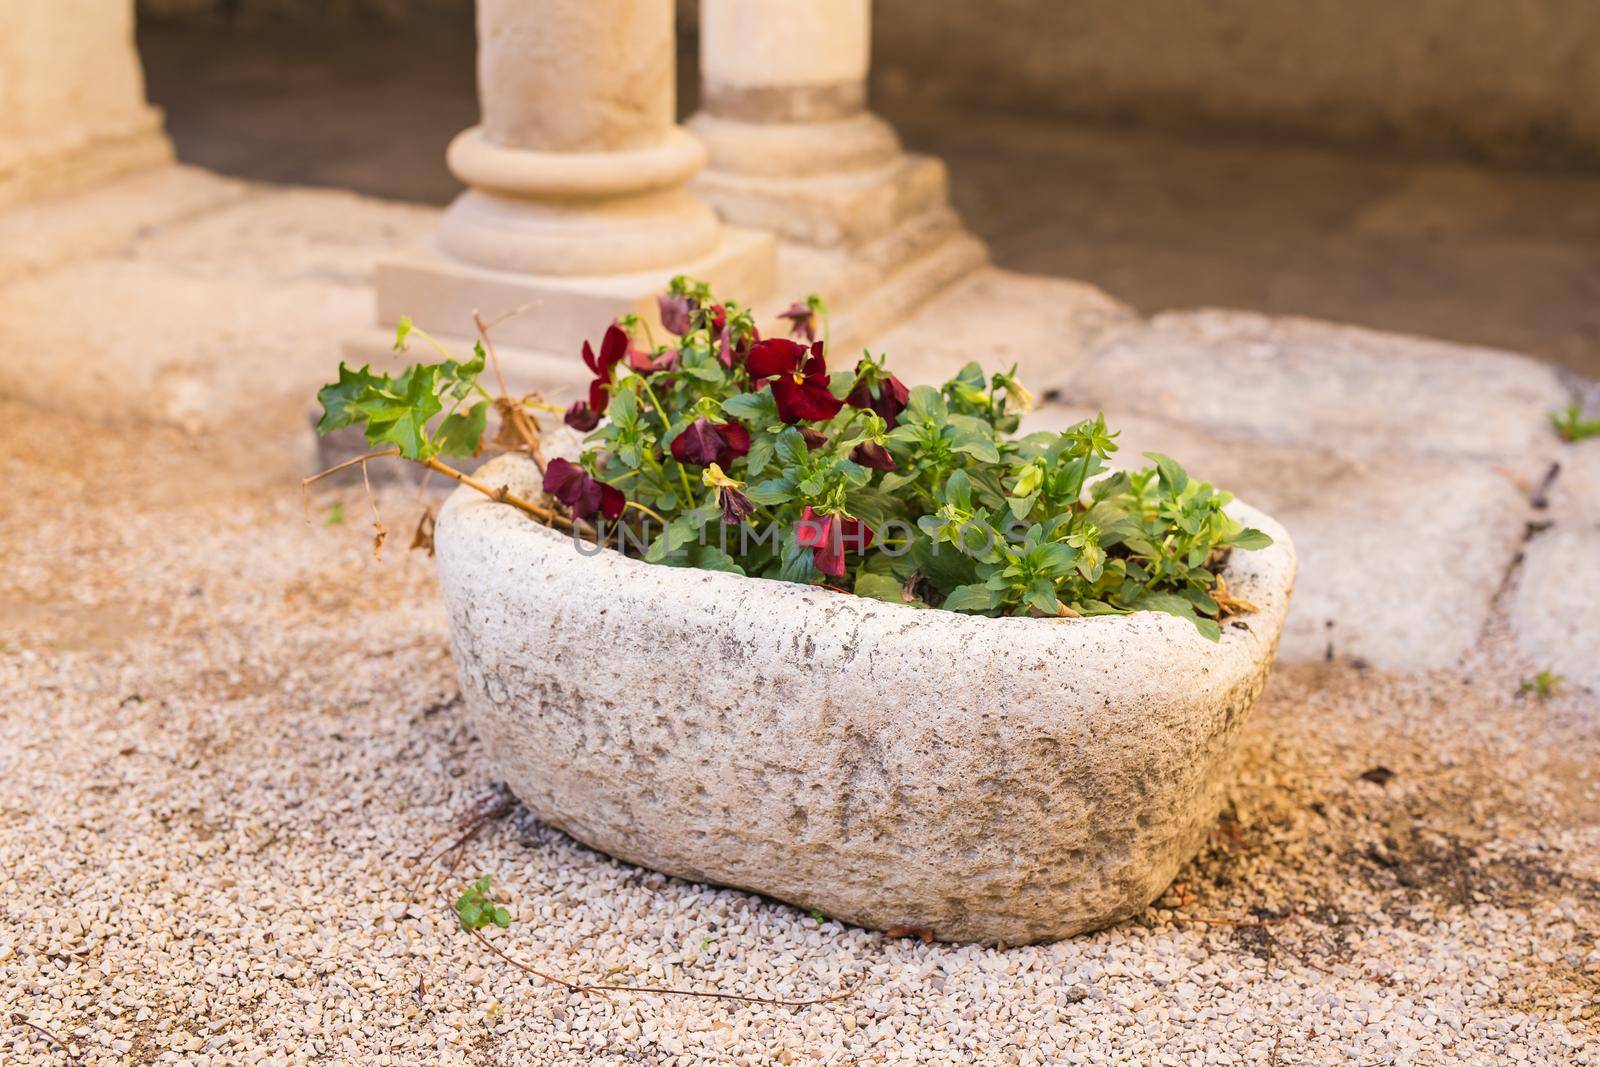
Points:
(578, 209)
(72, 104)
(794, 150)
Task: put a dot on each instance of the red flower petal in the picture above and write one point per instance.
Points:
(871, 454)
(560, 476)
(808, 400)
(700, 443)
(675, 313)
(773, 357)
(612, 348)
(812, 529)
(581, 417)
(736, 439)
(612, 502)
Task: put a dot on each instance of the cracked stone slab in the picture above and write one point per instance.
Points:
(208, 318)
(1555, 611)
(115, 340)
(1341, 389)
(997, 317)
(1400, 557)
(40, 235)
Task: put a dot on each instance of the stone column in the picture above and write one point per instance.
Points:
(578, 207)
(793, 149)
(72, 104)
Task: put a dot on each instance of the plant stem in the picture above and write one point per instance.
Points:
(543, 514)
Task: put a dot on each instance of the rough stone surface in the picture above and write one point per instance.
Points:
(205, 319)
(47, 233)
(1400, 559)
(1318, 385)
(1044, 325)
(1009, 780)
(1556, 607)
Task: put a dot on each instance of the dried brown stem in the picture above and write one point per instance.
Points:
(305, 483)
(521, 421)
(500, 804)
(1213, 921)
(18, 1018)
(548, 516)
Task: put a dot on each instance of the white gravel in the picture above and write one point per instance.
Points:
(224, 734)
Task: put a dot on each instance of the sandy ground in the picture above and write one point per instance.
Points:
(226, 733)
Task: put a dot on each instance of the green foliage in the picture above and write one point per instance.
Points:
(476, 910)
(924, 497)
(1542, 685)
(1572, 426)
(335, 515)
(402, 411)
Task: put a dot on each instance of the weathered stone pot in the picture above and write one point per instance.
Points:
(1007, 780)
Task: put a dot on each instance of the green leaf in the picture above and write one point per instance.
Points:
(462, 434)
(399, 415)
(402, 331)
(925, 405)
(772, 491)
(340, 398)
(760, 455)
(502, 917)
(880, 587)
(971, 598)
(1173, 477)
(758, 409)
(1251, 539)
(979, 448)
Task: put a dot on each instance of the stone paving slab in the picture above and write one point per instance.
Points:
(204, 319)
(116, 340)
(1340, 389)
(1556, 607)
(1400, 559)
(35, 237)
(291, 235)
(998, 317)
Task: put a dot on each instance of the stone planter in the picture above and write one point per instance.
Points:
(997, 780)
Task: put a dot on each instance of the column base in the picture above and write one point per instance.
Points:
(871, 287)
(40, 167)
(874, 242)
(544, 319)
(846, 209)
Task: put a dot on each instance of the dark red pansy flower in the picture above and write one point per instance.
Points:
(880, 391)
(612, 348)
(676, 313)
(719, 317)
(704, 442)
(802, 321)
(829, 537)
(581, 492)
(799, 379)
(736, 507)
(581, 417)
(872, 454)
(814, 439)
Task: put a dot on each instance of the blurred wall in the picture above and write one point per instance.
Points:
(1506, 80)
(1510, 80)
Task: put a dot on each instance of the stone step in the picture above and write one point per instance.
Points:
(845, 210)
